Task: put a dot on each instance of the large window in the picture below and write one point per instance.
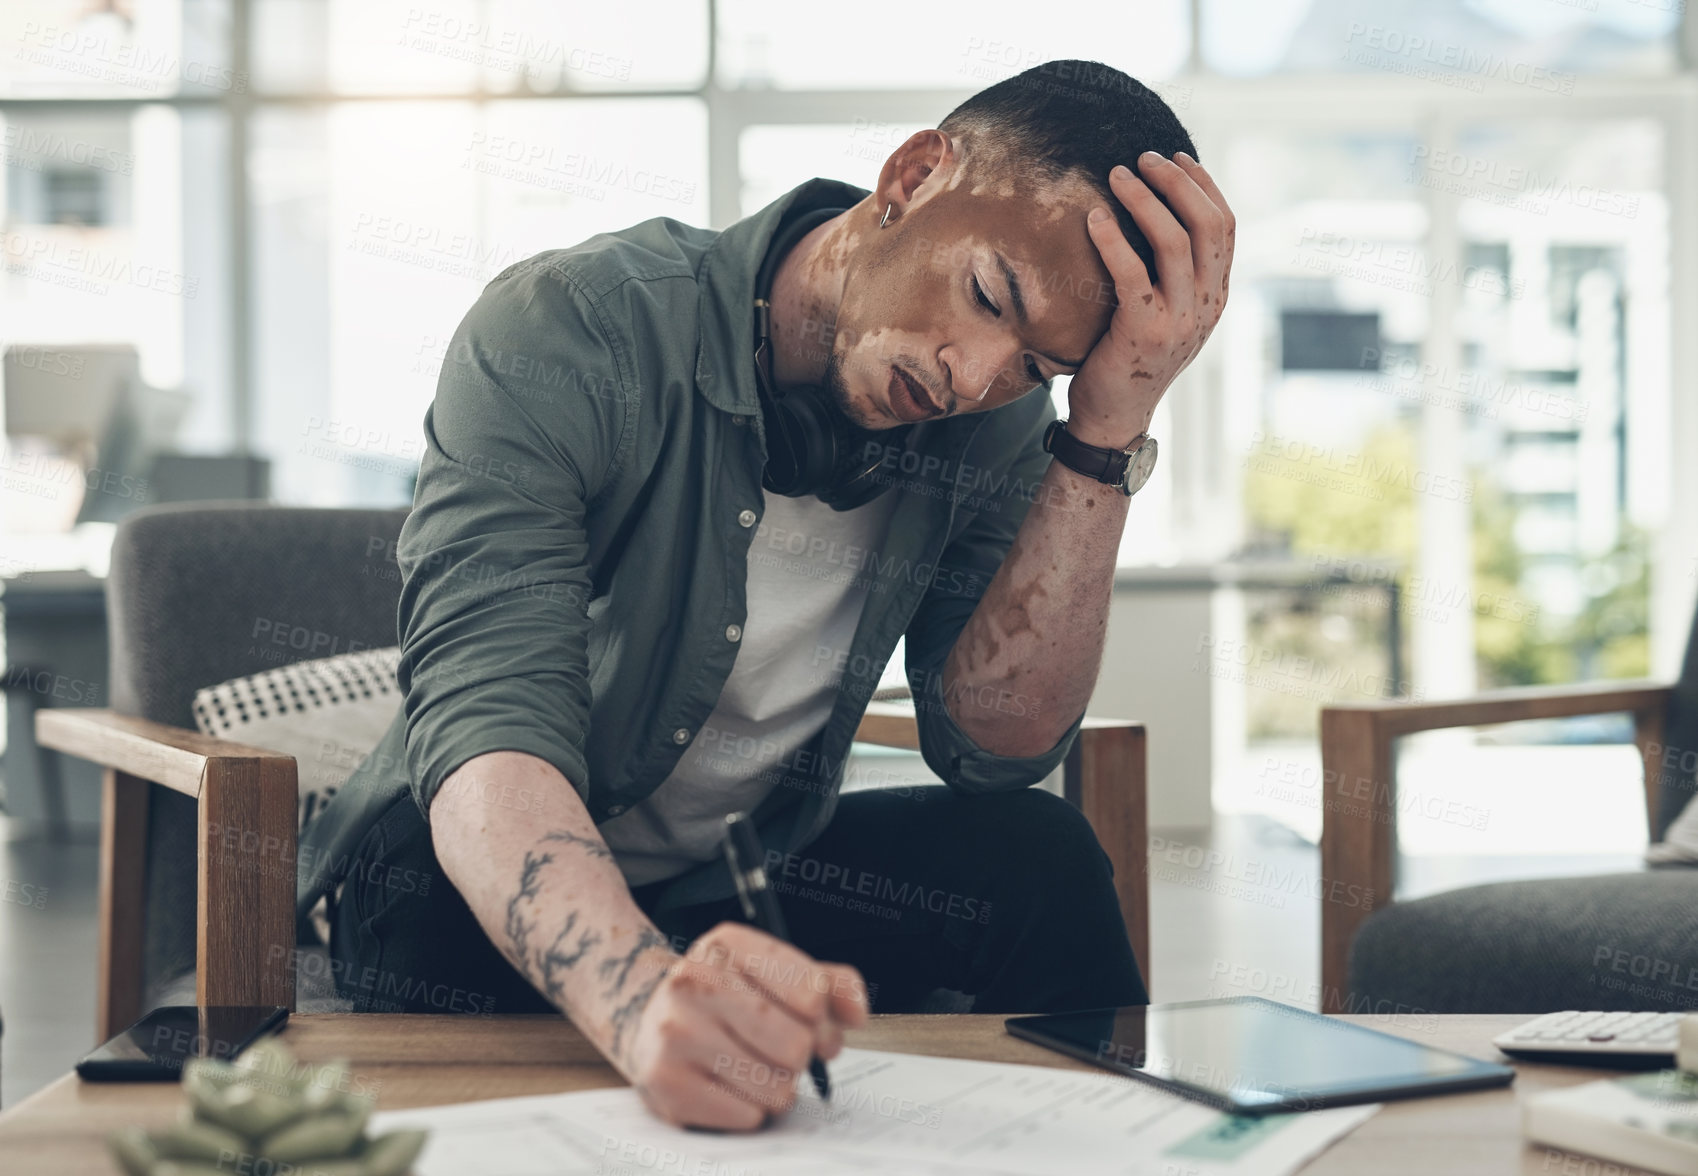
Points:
(375, 225)
(1465, 44)
(1450, 364)
(781, 44)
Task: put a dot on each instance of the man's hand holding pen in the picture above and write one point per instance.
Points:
(732, 1027)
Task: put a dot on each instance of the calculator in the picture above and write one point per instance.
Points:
(1596, 1038)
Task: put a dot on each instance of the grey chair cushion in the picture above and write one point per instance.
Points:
(201, 593)
(1611, 941)
(1615, 941)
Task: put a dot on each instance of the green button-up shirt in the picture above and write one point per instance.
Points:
(577, 549)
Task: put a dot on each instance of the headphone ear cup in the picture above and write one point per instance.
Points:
(858, 490)
(801, 445)
(860, 476)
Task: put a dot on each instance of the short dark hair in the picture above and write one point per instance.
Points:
(1067, 119)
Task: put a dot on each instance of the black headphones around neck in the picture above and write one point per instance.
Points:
(811, 446)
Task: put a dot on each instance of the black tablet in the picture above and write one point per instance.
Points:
(1250, 1056)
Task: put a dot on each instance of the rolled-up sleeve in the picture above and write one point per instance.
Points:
(963, 574)
(529, 421)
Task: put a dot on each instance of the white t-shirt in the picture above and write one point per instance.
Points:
(807, 584)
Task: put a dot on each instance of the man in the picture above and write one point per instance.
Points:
(614, 632)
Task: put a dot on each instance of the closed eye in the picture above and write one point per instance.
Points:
(1032, 369)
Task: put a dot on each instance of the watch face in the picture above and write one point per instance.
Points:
(1138, 470)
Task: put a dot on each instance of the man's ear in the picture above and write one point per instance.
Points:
(909, 166)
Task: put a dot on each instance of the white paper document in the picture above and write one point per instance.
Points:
(891, 1113)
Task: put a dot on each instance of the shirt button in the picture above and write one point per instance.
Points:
(681, 735)
(738, 419)
(746, 519)
(613, 810)
(733, 632)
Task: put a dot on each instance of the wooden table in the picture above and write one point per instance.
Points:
(426, 1060)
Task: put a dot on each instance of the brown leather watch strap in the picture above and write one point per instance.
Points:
(1107, 466)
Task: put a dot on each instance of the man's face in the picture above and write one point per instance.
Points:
(971, 298)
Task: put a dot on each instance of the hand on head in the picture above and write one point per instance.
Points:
(1160, 322)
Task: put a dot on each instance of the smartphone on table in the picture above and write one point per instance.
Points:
(155, 1047)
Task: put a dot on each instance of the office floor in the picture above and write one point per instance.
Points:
(1232, 914)
(47, 957)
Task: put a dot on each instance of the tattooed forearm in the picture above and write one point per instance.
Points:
(591, 846)
(558, 959)
(618, 969)
(626, 1014)
(550, 895)
(544, 967)
(548, 959)
(518, 926)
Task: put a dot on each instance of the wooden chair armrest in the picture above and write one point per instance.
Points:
(1402, 717)
(889, 724)
(245, 864)
(174, 757)
(1105, 775)
(1359, 797)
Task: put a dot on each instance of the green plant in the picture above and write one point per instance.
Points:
(265, 1112)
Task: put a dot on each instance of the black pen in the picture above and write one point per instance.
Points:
(760, 907)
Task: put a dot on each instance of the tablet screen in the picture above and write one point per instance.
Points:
(1252, 1054)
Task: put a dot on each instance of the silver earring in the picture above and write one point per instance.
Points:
(884, 220)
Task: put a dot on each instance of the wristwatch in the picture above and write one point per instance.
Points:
(1125, 469)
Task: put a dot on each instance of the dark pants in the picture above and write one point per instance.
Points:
(1007, 898)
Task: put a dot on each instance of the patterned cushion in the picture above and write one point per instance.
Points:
(328, 714)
